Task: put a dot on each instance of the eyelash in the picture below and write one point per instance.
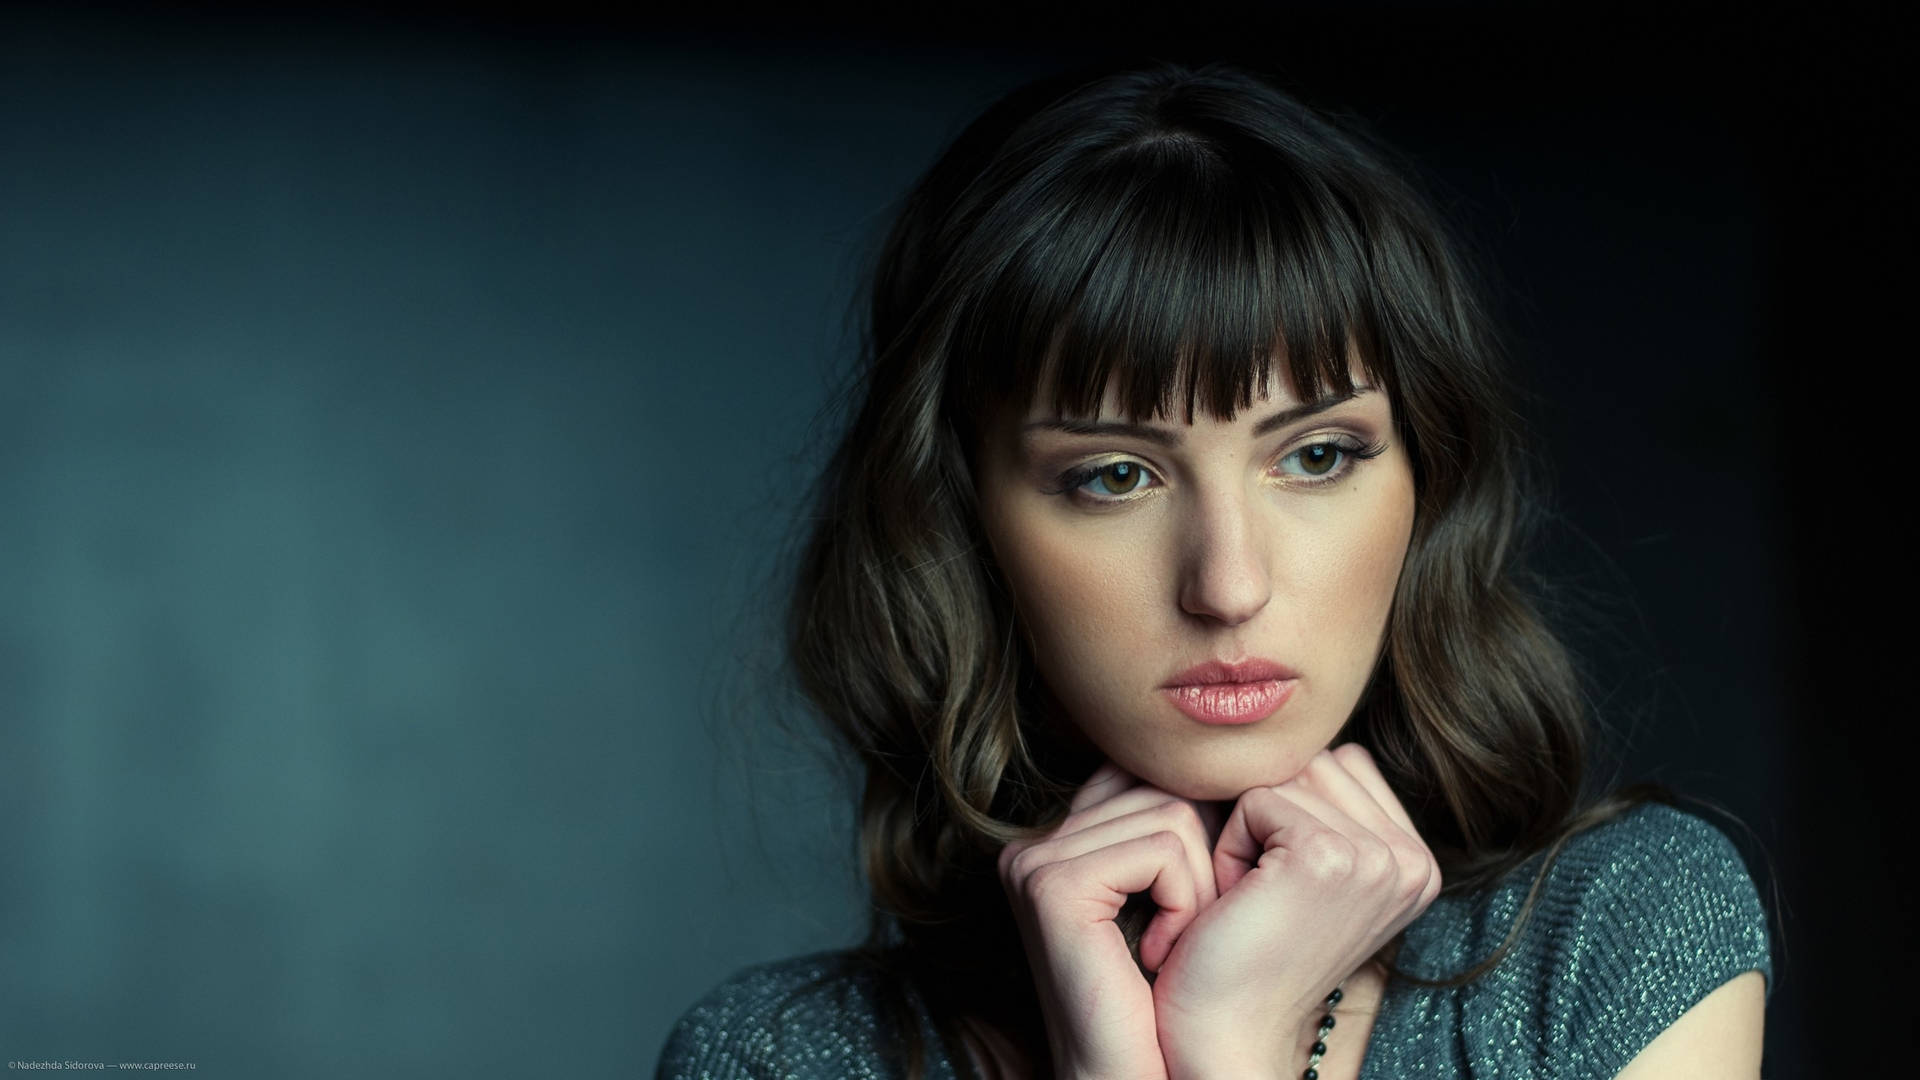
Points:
(1350, 452)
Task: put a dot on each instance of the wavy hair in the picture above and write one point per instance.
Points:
(1168, 233)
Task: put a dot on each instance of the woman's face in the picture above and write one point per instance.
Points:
(1137, 554)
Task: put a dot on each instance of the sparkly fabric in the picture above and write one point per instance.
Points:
(1639, 919)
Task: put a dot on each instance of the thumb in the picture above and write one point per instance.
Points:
(1235, 849)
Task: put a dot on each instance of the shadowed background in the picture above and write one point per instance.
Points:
(400, 419)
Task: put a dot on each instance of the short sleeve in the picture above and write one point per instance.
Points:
(1648, 914)
(727, 1035)
(813, 1017)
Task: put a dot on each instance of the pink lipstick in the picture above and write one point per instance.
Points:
(1217, 692)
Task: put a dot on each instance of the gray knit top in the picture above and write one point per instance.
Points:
(1639, 919)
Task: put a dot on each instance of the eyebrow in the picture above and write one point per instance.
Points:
(1168, 437)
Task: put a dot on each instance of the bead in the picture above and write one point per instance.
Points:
(1320, 1044)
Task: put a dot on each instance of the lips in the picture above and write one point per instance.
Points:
(1214, 672)
(1217, 692)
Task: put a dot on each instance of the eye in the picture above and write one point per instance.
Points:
(1330, 460)
(1325, 462)
(1318, 458)
(1107, 482)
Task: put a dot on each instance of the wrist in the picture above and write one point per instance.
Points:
(1241, 1055)
(1223, 1067)
(1227, 1067)
(1285, 1053)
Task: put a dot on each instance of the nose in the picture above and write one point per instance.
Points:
(1225, 574)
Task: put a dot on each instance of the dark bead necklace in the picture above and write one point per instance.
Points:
(1320, 1040)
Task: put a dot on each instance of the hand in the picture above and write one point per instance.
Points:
(1315, 875)
(1120, 837)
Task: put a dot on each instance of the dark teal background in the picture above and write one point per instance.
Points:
(391, 435)
(401, 423)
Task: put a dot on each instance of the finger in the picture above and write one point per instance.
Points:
(1389, 821)
(1098, 883)
(1261, 818)
(1328, 776)
(1167, 815)
(1138, 797)
(1330, 814)
(1409, 866)
(1361, 766)
(1106, 782)
(1144, 797)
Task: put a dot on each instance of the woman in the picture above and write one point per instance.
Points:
(1165, 584)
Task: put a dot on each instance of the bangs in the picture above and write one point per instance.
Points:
(1159, 271)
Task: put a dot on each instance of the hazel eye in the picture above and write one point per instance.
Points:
(1329, 461)
(1320, 464)
(1119, 478)
(1319, 459)
(1112, 482)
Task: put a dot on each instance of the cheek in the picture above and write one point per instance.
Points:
(1072, 592)
(1076, 584)
(1361, 564)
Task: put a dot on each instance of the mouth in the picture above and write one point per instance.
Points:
(1218, 692)
(1231, 703)
(1244, 671)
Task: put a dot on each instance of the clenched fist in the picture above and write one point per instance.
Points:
(1315, 876)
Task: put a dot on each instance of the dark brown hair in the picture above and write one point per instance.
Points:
(1169, 233)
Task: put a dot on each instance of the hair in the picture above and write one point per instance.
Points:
(1167, 233)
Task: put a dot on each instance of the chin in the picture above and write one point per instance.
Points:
(1212, 789)
(1225, 784)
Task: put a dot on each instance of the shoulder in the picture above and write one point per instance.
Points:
(1657, 887)
(1639, 919)
(818, 1015)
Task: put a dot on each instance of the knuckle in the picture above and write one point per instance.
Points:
(1429, 888)
(1263, 798)
(1326, 856)
(1374, 860)
(1169, 843)
(1016, 855)
(1046, 884)
(1020, 867)
(1420, 875)
(1410, 858)
(1413, 878)
(1004, 862)
(1352, 754)
(1180, 814)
